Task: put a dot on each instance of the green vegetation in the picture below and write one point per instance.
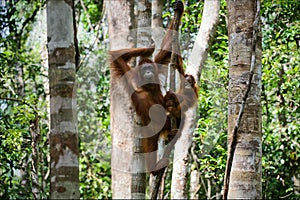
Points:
(23, 99)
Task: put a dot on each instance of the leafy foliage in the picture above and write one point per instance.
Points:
(23, 95)
(93, 104)
(280, 96)
(22, 103)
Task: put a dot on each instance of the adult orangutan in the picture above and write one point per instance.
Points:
(142, 84)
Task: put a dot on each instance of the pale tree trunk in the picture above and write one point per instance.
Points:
(120, 17)
(143, 19)
(143, 16)
(44, 70)
(194, 183)
(157, 24)
(63, 120)
(244, 101)
(35, 135)
(196, 62)
(296, 180)
(157, 36)
(157, 7)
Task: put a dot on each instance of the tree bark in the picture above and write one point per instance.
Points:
(244, 101)
(120, 17)
(143, 9)
(34, 130)
(143, 18)
(196, 62)
(63, 127)
(158, 34)
(296, 180)
(194, 184)
(157, 6)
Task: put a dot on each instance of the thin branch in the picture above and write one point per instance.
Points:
(97, 27)
(95, 42)
(156, 183)
(166, 195)
(203, 184)
(21, 101)
(286, 196)
(158, 177)
(162, 185)
(87, 16)
(195, 157)
(29, 19)
(233, 142)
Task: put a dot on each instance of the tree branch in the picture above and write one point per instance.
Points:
(21, 101)
(210, 18)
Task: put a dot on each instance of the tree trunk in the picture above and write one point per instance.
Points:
(120, 22)
(296, 180)
(196, 62)
(35, 135)
(158, 33)
(157, 6)
(138, 185)
(194, 184)
(143, 9)
(244, 104)
(63, 127)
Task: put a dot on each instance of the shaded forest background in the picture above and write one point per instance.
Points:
(24, 95)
